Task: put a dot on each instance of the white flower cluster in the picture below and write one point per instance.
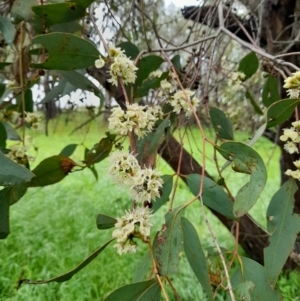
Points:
(291, 137)
(135, 223)
(179, 102)
(144, 183)
(292, 83)
(294, 173)
(18, 154)
(235, 81)
(121, 66)
(34, 120)
(136, 118)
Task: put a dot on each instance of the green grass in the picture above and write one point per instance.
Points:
(53, 228)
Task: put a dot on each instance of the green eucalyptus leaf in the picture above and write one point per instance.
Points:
(242, 291)
(68, 150)
(11, 132)
(105, 222)
(251, 271)
(28, 101)
(2, 66)
(12, 174)
(21, 10)
(260, 131)
(168, 245)
(52, 170)
(283, 225)
(100, 151)
(130, 49)
(69, 27)
(8, 197)
(66, 52)
(221, 124)
(79, 81)
(248, 161)
(165, 193)
(270, 93)
(150, 84)
(67, 276)
(142, 268)
(213, 195)
(2, 90)
(141, 291)
(4, 213)
(249, 65)
(195, 255)
(57, 13)
(63, 88)
(281, 111)
(176, 60)
(8, 29)
(147, 65)
(148, 145)
(94, 171)
(254, 104)
(3, 135)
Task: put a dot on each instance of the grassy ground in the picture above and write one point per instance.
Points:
(53, 228)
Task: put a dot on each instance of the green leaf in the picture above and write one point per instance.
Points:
(281, 111)
(60, 12)
(270, 93)
(16, 193)
(2, 66)
(195, 255)
(254, 104)
(52, 170)
(242, 291)
(221, 124)
(213, 195)
(100, 151)
(249, 65)
(79, 81)
(94, 171)
(69, 27)
(147, 65)
(8, 29)
(149, 144)
(140, 291)
(105, 222)
(10, 132)
(28, 101)
(284, 226)
(176, 60)
(63, 88)
(165, 193)
(68, 150)
(254, 272)
(130, 49)
(168, 245)
(147, 85)
(4, 213)
(142, 268)
(66, 52)
(2, 89)
(12, 173)
(257, 134)
(3, 135)
(21, 10)
(67, 276)
(245, 160)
